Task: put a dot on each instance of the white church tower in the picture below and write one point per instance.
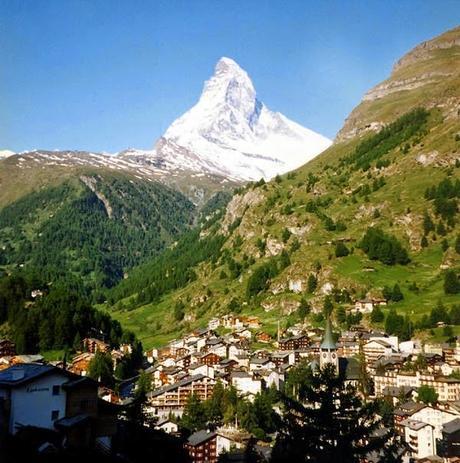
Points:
(328, 349)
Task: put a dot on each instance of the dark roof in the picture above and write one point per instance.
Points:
(259, 361)
(23, 373)
(199, 437)
(73, 421)
(409, 408)
(414, 424)
(350, 367)
(452, 426)
(79, 381)
(396, 391)
(240, 374)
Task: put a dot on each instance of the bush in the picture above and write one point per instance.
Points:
(341, 250)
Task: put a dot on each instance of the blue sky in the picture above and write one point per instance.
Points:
(104, 75)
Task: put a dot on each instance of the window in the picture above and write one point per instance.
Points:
(56, 390)
(54, 415)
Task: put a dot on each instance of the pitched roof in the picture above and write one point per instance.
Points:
(199, 437)
(451, 426)
(415, 425)
(23, 373)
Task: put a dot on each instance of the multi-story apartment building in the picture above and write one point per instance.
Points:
(173, 398)
(448, 389)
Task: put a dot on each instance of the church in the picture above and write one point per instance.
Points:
(328, 355)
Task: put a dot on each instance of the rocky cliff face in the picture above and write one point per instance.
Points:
(426, 76)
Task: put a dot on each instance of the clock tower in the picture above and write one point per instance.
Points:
(328, 349)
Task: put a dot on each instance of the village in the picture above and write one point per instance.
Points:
(420, 383)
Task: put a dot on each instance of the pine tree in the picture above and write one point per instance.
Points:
(194, 417)
(101, 368)
(312, 283)
(377, 315)
(330, 423)
(215, 405)
(451, 282)
(304, 309)
(396, 294)
(428, 224)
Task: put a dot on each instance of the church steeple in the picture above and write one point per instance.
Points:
(328, 348)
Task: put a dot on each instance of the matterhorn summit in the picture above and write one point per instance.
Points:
(231, 133)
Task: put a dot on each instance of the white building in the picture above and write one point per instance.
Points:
(419, 436)
(245, 382)
(34, 395)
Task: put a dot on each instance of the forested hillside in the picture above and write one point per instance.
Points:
(91, 228)
(374, 216)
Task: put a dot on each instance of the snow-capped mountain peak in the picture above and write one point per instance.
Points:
(230, 132)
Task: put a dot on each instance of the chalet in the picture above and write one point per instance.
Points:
(232, 321)
(214, 323)
(94, 345)
(396, 394)
(367, 305)
(263, 337)
(293, 343)
(201, 369)
(257, 363)
(206, 446)
(243, 333)
(252, 322)
(281, 358)
(209, 358)
(227, 364)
